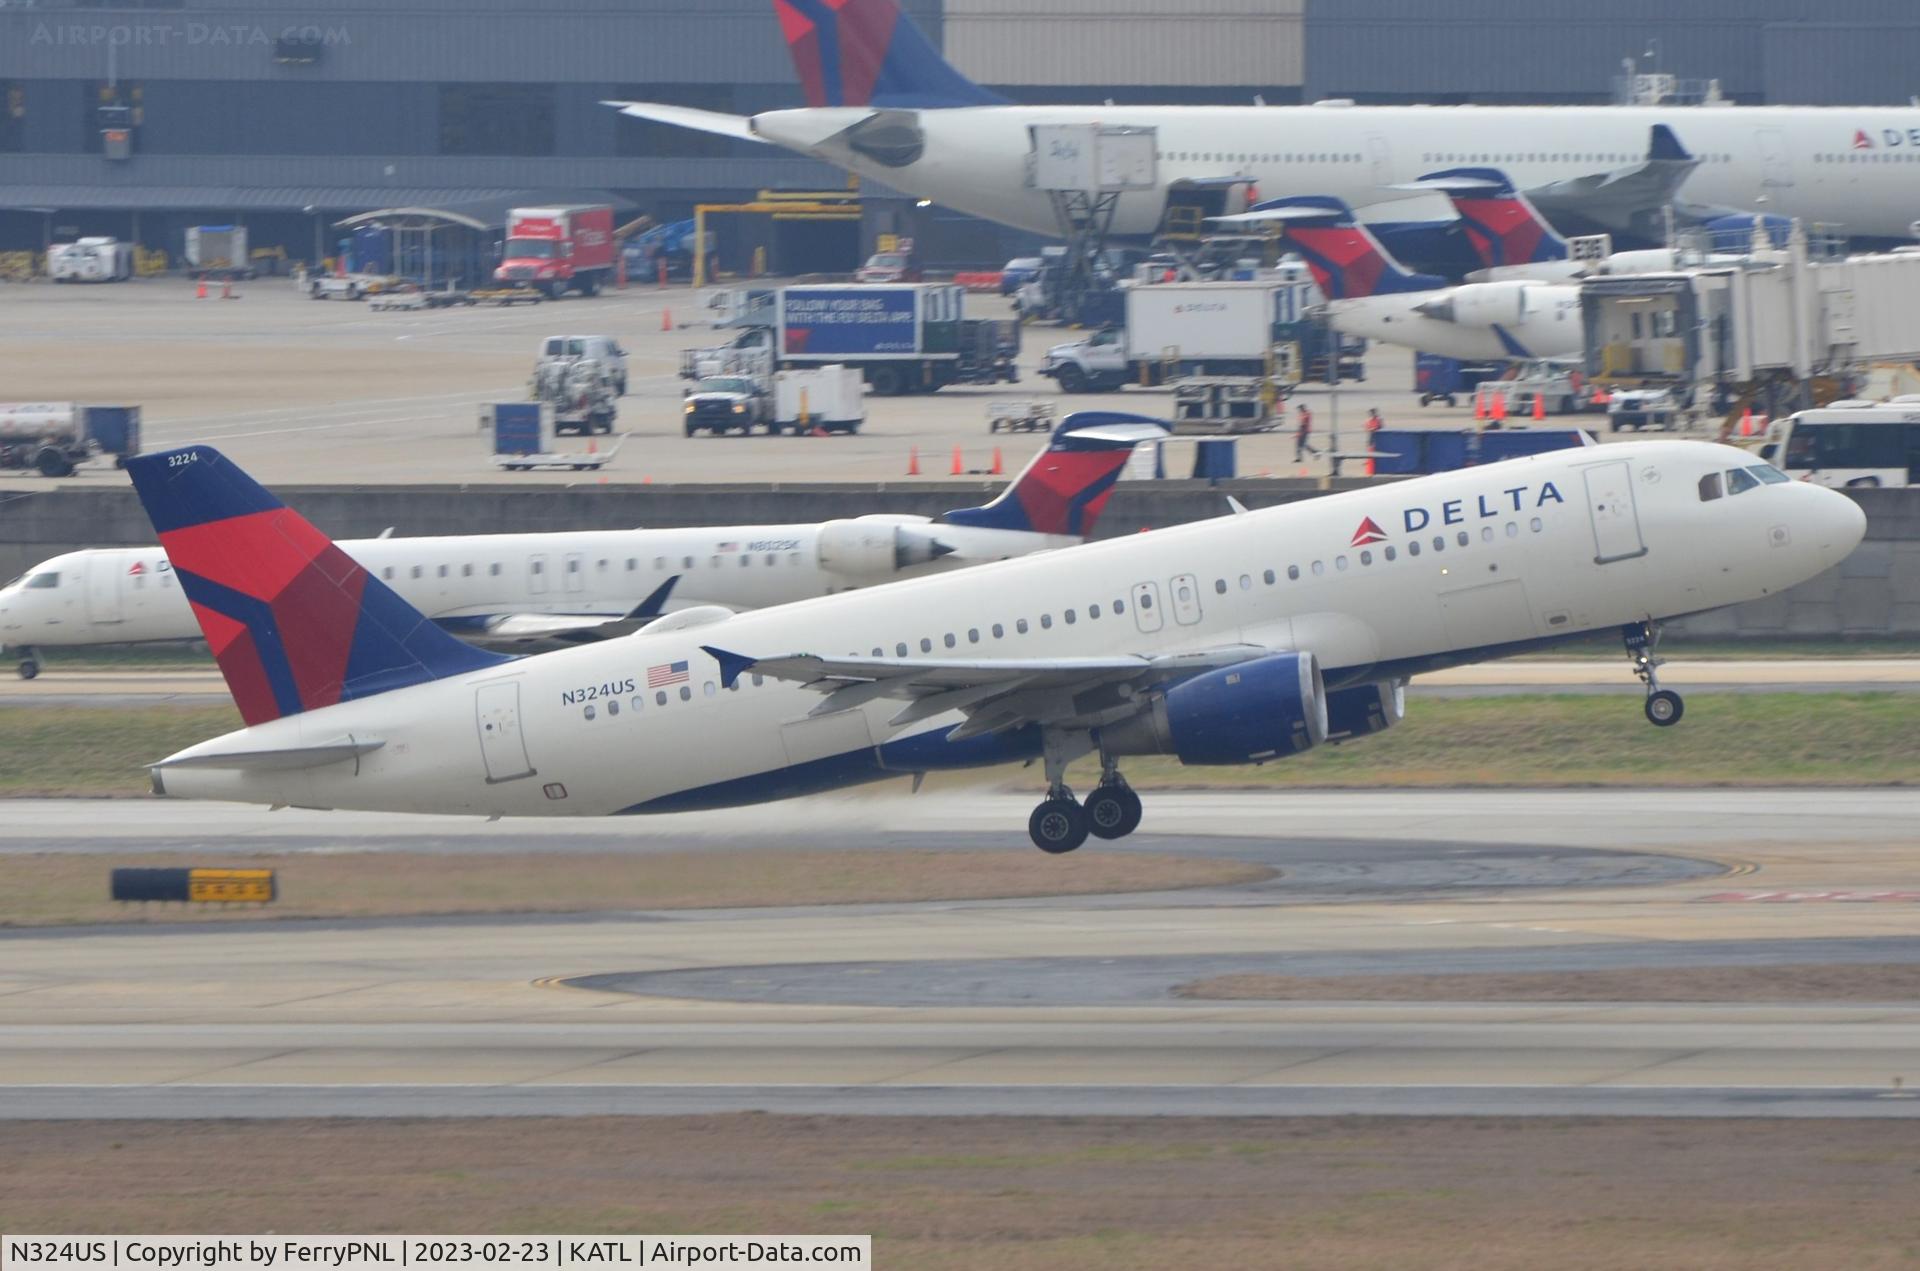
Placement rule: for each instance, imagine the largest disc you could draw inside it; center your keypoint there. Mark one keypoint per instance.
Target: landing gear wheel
(1058, 826)
(1665, 708)
(1113, 811)
(29, 668)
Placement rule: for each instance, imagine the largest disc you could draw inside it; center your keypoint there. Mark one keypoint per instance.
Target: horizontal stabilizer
(713, 121)
(279, 759)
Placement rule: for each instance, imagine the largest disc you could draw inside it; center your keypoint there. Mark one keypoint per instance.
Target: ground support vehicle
(821, 399)
(1029, 415)
(559, 249)
(725, 404)
(1178, 330)
(55, 438)
(90, 260)
(1448, 379)
(581, 393)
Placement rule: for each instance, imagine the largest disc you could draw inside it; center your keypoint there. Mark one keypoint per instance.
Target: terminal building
(141, 118)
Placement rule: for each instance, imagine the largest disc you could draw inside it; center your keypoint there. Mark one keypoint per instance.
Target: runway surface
(1057, 1006)
(197, 686)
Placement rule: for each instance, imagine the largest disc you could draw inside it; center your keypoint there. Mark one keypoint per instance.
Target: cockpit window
(1770, 474)
(1710, 487)
(43, 582)
(1739, 481)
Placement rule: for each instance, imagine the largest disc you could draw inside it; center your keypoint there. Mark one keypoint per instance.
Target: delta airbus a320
(1239, 640)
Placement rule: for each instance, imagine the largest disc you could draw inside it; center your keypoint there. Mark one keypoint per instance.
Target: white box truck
(1174, 330)
(90, 260)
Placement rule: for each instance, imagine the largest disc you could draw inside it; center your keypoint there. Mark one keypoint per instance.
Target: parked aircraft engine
(875, 549)
(1265, 709)
(1480, 304)
(1366, 708)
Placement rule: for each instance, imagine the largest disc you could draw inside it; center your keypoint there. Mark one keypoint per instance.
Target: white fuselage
(474, 583)
(1491, 321)
(1532, 549)
(1805, 162)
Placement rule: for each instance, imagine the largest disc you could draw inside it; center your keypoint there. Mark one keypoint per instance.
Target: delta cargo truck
(907, 338)
(559, 249)
(1176, 330)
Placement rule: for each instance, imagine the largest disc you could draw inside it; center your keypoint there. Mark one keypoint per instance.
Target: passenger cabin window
(1710, 487)
(1739, 481)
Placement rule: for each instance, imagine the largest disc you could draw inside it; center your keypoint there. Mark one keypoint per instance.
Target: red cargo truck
(556, 249)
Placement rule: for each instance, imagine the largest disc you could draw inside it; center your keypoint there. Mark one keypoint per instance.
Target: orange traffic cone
(666, 319)
(593, 447)
(1499, 406)
(1479, 404)
(913, 462)
(998, 468)
(226, 289)
(1539, 405)
(200, 292)
(958, 470)
(1746, 422)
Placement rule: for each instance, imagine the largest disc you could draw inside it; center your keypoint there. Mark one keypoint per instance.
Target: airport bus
(1850, 444)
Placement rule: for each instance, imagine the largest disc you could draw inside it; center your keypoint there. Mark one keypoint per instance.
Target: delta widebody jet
(574, 587)
(1239, 640)
(882, 103)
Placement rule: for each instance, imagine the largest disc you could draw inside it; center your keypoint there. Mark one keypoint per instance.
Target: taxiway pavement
(1045, 1005)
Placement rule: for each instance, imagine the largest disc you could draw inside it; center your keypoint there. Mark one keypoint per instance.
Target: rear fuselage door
(1616, 519)
(502, 745)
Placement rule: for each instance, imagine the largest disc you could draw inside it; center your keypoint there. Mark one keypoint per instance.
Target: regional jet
(575, 587)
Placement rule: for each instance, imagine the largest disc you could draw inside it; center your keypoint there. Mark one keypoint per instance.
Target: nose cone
(1837, 524)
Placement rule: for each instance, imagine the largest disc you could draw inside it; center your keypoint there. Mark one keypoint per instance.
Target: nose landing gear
(1664, 706)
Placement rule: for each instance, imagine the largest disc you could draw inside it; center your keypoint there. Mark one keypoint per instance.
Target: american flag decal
(666, 673)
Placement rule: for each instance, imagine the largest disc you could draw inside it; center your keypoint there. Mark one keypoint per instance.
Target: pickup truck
(722, 404)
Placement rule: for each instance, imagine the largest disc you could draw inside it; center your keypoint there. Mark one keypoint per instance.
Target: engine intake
(1265, 709)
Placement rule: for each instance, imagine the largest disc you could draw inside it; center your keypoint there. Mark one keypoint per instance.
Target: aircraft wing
(994, 693)
(735, 126)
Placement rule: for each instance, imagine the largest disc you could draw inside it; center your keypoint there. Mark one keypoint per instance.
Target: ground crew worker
(1300, 447)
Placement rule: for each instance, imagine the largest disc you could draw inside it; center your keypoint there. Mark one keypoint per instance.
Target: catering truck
(906, 338)
(558, 249)
(1175, 330)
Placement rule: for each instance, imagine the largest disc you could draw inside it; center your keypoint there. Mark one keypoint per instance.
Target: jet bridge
(1776, 318)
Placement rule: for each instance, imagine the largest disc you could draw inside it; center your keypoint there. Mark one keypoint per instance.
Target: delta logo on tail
(1369, 532)
(869, 53)
(1346, 260)
(1066, 487)
(293, 622)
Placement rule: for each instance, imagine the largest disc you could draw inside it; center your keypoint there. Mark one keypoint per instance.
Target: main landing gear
(29, 663)
(1061, 823)
(1664, 707)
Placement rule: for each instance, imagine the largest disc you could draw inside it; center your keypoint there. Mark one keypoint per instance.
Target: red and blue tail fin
(869, 53)
(1503, 225)
(1346, 259)
(294, 622)
(1066, 487)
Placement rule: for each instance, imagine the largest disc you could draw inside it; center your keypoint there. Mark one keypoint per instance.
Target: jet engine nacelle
(1485, 304)
(1265, 709)
(875, 548)
(1365, 708)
